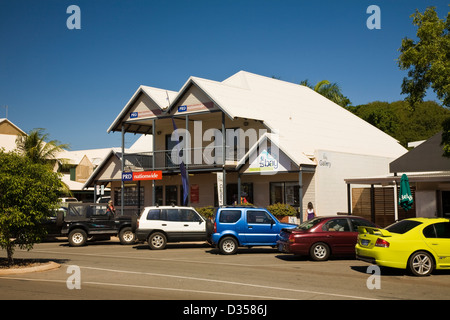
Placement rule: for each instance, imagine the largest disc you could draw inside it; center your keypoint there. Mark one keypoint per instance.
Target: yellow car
(418, 244)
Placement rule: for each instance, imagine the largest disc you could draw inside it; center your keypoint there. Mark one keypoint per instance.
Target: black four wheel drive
(83, 221)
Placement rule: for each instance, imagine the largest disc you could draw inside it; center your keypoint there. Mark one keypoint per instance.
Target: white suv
(160, 225)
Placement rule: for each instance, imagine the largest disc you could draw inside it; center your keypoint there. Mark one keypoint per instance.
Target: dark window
(189, 215)
(258, 216)
(403, 226)
(153, 214)
(437, 230)
(173, 215)
(230, 216)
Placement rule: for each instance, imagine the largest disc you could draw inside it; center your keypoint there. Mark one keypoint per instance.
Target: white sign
(269, 162)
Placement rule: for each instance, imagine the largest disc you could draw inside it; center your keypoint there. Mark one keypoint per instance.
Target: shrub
(207, 212)
(281, 209)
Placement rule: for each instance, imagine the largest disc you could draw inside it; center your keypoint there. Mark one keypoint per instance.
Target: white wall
(333, 167)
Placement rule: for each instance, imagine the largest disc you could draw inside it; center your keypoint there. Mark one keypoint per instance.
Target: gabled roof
(15, 129)
(426, 157)
(159, 97)
(304, 120)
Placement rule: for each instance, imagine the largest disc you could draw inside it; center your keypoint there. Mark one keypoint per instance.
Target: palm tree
(331, 91)
(36, 147)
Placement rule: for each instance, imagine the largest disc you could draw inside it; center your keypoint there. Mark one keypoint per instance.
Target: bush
(281, 209)
(207, 212)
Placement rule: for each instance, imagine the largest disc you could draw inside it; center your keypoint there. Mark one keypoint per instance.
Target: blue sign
(127, 176)
(133, 115)
(182, 108)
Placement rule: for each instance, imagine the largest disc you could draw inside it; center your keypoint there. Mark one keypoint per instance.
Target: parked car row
(419, 244)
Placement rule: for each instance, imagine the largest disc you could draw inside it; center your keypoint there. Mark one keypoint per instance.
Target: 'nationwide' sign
(143, 175)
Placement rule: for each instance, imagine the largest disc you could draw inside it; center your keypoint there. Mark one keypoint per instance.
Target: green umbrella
(405, 199)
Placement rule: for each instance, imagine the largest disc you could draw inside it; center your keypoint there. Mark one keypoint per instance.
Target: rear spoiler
(376, 231)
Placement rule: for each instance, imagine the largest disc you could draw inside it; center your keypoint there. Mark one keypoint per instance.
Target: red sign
(147, 175)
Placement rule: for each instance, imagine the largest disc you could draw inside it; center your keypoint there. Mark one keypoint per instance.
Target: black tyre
(421, 264)
(157, 241)
(134, 222)
(228, 245)
(77, 238)
(126, 236)
(319, 251)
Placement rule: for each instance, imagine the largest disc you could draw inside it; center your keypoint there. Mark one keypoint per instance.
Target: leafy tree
(28, 191)
(37, 148)
(331, 91)
(403, 123)
(428, 59)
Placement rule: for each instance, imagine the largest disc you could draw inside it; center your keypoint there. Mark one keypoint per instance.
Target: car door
(194, 226)
(339, 236)
(172, 224)
(261, 228)
(99, 219)
(437, 237)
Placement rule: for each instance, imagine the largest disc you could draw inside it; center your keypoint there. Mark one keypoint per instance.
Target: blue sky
(74, 83)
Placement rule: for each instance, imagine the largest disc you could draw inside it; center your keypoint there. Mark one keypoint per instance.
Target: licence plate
(280, 247)
(365, 242)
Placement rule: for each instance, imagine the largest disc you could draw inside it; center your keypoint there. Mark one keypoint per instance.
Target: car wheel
(319, 251)
(77, 238)
(228, 245)
(157, 241)
(126, 236)
(421, 264)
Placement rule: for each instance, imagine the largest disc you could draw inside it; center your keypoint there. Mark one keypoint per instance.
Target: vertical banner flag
(184, 176)
(220, 188)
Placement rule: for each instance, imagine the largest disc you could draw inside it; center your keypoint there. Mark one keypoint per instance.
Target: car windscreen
(309, 224)
(403, 226)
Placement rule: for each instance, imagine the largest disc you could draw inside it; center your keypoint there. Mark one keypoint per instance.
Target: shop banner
(143, 175)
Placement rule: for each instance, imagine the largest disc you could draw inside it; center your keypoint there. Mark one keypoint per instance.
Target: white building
(319, 144)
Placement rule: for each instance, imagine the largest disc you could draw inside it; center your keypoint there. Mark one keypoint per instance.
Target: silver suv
(160, 225)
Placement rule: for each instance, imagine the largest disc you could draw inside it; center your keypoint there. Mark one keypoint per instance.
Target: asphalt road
(194, 271)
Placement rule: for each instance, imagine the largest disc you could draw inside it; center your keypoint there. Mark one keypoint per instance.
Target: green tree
(403, 123)
(428, 62)
(28, 191)
(331, 91)
(428, 59)
(37, 148)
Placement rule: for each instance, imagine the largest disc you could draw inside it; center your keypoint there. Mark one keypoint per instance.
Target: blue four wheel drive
(245, 226)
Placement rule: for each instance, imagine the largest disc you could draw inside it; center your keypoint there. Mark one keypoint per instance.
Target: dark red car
(323, 236)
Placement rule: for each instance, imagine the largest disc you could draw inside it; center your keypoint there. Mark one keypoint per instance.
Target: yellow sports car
(418, 244)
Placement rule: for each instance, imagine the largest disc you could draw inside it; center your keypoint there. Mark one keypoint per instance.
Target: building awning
(443, 176)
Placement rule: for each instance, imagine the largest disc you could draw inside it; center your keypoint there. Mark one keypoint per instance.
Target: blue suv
(245, 226)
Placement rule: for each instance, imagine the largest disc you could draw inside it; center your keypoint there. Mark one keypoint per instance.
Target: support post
(223, 160)
(349, 199)
(372, 203)
(122, 192)
(300, 194)
(153, 163)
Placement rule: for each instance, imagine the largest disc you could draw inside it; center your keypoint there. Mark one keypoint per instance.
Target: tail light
(291, 238)
(215, 227)
(382, 243)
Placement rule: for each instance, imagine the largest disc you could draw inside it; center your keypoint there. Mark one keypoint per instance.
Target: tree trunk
(10, 252)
